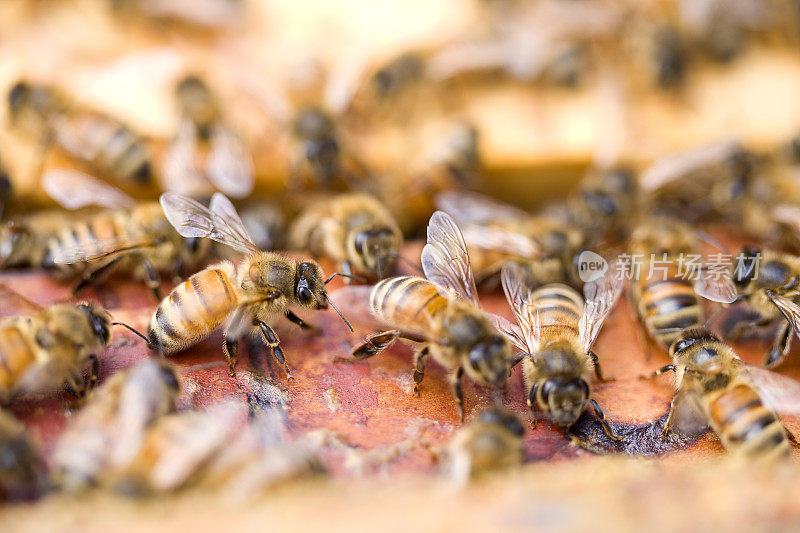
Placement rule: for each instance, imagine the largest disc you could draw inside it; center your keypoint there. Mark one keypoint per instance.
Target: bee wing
(13, 303)
(445, 260)
(673, 168)
(74, 190)
(601, 295)
(501, 240)
(180, 173)
(780, 392)
(716, 284)
(219, 222)
(343, 83)
(510, 330)
(789, 309)
(520, 298)
(688, 418)
(230, 167)
(97, 249)
(472, 208)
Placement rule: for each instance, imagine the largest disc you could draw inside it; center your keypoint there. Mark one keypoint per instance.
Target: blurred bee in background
(23, 239)
(228, 165)
(247, 297)
(266, 223)
(490, 443)
(441, 312)
(128, 236)
(111, 428)
(50, 348)
(714, 387)
(556, 329)
(198, 14)
(23, 475)
(6, 190)
(176, 448)
(496, 233)
(105, 144)
(355, 230)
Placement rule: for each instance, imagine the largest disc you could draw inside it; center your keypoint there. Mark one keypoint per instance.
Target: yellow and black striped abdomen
(192, 311)
(17, 355)
(557, 304)
(745, 425)
(91, 236)
(667, 306)
(407, 302)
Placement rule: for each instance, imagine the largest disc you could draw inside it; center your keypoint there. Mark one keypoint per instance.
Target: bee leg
(783, 341)
(271, 338)
(792, 439)
(532, 403)
(597, 371)
(151, 278)
(347, 270)
(177, 270)
(419, 368)
(663, 370)
(95, 275)
(459, 391)
(300, 322)
(743, 326)
(375, 343)
(668, 422)
(231, 349)
(94, 371)
(602, 417)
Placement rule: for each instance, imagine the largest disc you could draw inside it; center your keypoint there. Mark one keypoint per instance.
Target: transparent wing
(520, 298)
(13, 303)
(673, 168)
(501, 240)
(219, 222)
(715, 287)
(601, 295)
(780, 392)
(472, 208)
(688, 418)
(230, 167)
(789, 309)
(445, 260)
(510, 330)
(180, 173)
(93, 250)
(74, 190)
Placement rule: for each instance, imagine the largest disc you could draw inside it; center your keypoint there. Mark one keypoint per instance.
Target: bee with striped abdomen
(496, 234)
(442, 312)
(556, 329)
(110, 429)
(105, 144)
(714, 387)
(355, 230)
(204, 136)
(247, 297)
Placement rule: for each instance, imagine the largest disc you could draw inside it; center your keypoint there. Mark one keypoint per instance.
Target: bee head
(504, 419)
(377, 247)
(99, 321)
(565, 398)
(18, 97)
(746, 267)
(489, 360)
(309, 286)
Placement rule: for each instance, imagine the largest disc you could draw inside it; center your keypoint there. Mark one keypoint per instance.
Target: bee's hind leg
(271, 338)
(419, 368)
(95, 275)
(609, 431)
(597, 371)
(151, 279)
(459, 390)
(781, 346)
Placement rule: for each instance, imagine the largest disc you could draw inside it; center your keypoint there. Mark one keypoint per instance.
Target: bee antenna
(338, 312)
(131, 329)
(348, 276)
(713, 317)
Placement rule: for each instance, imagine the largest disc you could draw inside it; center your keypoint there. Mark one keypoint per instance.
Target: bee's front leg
(272, 340)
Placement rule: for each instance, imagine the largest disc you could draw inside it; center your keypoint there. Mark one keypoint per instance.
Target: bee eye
(304, 295)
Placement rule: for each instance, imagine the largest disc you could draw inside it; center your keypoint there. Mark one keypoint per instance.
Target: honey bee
(491, 443)
(22, 471)
(247, 297)
(23, 239)
(176, 448)
(127, 237)
(768, 283)
(497, 234)
(110, 429)
(666, 297)
(556, 329)
(103, 143)
(6, 190)
(50, 348)
(604, 202)
(714, 387)
(442, 312)
(228, 165)
(355, 230)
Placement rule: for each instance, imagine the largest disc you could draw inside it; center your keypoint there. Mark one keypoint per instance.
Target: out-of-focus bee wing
(510, 330)
(180, 173)
(520, 298)
(98, 249)
(74, 190)
(715, 288)
(445, 260)
(343, 83)
(13, 303)
(220, 222)
(688, 419)
(601, 295)
(675, 167)
(501, 240)
(789, 309)
(780, 392)
(472, 208)
(230, 167)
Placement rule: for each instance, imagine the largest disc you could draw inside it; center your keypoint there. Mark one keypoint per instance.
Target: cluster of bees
(128, 435)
